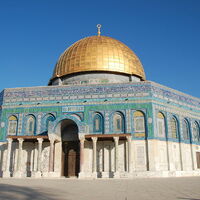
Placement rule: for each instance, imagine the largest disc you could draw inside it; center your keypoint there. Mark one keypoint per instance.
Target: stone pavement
(102, 189)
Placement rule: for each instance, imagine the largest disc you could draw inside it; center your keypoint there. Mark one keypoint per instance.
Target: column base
(107, 174)
(116, 175)
(51, 174)
(36, 174)
(94, 174)
(18, 174)
(81, 175)
(6, 174)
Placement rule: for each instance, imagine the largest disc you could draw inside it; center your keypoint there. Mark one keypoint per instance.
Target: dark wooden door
(198, 159)
(71, 159)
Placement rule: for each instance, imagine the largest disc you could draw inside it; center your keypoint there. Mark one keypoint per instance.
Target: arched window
(139, 123)
(195, 131)
(12, 125)
(50, 118)
(161, 124)
(174, 127)
(186, 133)
(30, 129)
(118, 123)
(98, 123)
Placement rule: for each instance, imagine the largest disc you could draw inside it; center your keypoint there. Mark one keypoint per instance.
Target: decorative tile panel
(139, 89)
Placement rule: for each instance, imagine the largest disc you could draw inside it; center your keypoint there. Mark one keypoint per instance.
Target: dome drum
(94, 78)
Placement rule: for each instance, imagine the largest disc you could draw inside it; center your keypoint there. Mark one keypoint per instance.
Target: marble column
(130, 167)
(116, 173)
(6, 173)
(51, 156)
(19, 172)
(19, 159)
(94, 166)
(40, 140)
(82, 141)
(38, 174)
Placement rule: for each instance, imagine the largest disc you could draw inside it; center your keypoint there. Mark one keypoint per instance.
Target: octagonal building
(99, 118)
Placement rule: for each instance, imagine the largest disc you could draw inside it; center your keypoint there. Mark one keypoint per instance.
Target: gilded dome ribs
(98, 53)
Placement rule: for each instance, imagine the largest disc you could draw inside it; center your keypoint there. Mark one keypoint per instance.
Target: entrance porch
(91, 156)
(105, 156)
(30, 156)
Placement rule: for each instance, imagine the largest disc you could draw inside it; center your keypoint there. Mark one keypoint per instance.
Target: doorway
(70, 149)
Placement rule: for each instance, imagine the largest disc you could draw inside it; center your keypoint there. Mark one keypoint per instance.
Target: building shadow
(189, 198)
(10, 192)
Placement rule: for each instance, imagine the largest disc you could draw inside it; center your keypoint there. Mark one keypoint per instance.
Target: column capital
(116, 138)
(20, 140)
(94, 139)
(9, 140)
(82, 138)
(52, 141)
(40, 140)
(128, 138)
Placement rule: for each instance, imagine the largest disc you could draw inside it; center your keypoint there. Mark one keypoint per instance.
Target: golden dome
(98, 53)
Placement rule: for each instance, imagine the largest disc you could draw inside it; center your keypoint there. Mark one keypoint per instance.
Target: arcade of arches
(95, 155)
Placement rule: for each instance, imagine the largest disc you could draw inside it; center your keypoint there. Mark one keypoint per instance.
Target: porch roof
(108, 136)
(29, 138)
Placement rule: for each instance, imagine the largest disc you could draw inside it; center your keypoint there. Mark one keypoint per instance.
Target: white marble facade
(152, 158)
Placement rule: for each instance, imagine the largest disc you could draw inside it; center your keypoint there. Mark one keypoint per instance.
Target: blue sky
(165, 34)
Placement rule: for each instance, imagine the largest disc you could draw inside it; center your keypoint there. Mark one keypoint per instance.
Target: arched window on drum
(174, 127)
(12, 125)
(195, 131)
(186, 130)
(118, 122)
(98, 123)
(139, 122)
(161, 124)
(30, 128)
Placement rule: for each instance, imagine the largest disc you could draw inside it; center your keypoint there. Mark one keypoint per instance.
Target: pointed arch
(82, 127)
(118, 122)
(174, 127)
(161, 125)
(195, 131)
(186, 129)
(98, 123)
(139, 121)
(31, 125)
(49, 118)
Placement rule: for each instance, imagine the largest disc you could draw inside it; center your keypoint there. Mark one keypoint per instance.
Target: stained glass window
(12, 125)
(118, 122)
(139, 124)
(195, 131)
(30, 125)
(185, 130)
(161, 124)
(98, 123)
(174, 130)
